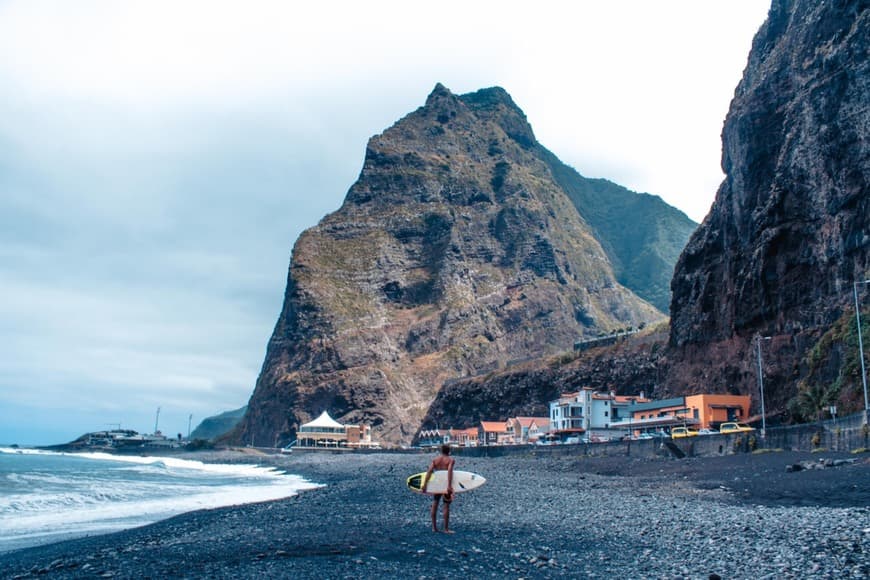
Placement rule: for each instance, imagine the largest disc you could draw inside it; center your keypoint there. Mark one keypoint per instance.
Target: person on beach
(442, 463)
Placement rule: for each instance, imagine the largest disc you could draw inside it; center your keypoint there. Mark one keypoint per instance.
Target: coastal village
(589, 416)
(585, 416)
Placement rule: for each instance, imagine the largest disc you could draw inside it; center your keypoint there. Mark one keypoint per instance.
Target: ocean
(47, 497)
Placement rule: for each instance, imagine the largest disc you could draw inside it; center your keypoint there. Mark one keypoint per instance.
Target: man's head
(445, 449)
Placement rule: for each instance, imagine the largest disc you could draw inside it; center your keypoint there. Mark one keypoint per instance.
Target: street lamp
(761, 385)
(861, 345)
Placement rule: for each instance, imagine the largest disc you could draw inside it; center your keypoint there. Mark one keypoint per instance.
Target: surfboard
(462, 481)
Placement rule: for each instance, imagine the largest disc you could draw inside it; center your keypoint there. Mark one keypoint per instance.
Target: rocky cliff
(456, 251)
(788, 232)
(777, 256)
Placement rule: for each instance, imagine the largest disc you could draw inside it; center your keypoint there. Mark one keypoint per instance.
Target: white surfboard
(462, 481)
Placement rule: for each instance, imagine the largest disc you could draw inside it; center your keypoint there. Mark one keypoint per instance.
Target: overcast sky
(158, 160)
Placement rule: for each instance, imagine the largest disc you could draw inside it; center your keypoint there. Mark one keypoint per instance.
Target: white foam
(156, 488)
(168, 462)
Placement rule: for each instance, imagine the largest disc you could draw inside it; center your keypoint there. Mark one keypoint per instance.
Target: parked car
(734, 428)
(680, 432)
(707, 432)
(643, 436)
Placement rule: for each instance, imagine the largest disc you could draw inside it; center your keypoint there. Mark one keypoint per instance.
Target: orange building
(492, 433)
(699, 411)
(713, 410)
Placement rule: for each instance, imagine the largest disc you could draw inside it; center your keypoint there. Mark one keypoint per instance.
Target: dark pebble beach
(538, 516)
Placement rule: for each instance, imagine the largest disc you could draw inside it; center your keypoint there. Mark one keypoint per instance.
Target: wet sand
(738, 516)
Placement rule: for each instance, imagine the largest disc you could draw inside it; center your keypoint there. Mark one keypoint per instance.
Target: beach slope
(738, 516)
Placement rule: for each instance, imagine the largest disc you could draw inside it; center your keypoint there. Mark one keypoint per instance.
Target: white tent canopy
(324, 421)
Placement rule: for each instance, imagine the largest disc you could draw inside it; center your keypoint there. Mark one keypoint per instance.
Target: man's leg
(435, 500)
(447, 517)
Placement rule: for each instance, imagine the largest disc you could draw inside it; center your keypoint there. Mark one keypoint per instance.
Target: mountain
(789, 231)
(456, 251)
(641, 234)
(218, 425)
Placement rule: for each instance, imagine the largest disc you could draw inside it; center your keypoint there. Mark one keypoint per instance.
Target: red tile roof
(527, 421)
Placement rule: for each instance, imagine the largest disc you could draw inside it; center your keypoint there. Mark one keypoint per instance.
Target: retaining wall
(845, 435)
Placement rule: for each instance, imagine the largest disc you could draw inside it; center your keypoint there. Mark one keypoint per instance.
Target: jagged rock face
(788, 232)
(454, 252)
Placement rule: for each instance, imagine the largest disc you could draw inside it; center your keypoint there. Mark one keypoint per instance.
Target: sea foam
(46, 496)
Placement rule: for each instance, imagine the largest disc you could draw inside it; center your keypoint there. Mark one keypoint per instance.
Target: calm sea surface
(46, 497)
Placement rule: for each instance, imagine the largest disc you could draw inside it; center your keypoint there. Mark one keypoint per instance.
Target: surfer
(442, 462)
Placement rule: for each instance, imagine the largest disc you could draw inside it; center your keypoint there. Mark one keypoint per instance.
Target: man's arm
(450, 476)
(427, 476)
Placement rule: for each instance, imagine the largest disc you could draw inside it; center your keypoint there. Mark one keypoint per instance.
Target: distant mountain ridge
(218, 425)
(457, 250)
(642, 235)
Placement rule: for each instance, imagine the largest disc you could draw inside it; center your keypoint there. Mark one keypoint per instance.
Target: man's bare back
(442, 463)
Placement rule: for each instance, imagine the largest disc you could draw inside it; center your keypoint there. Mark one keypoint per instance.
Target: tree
(812, 400)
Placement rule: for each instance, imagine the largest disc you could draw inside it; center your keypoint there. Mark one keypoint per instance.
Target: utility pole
(189, 419)
(157, 421)
(761, 386)
(861, 350)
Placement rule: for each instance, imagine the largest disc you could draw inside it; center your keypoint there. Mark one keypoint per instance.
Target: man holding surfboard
(441, 463)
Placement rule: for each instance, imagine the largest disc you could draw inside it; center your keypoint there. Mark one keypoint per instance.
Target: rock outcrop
(789, 231)
(456, 251)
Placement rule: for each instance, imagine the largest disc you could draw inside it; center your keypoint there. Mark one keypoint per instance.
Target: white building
(588, 411)
(327, 432)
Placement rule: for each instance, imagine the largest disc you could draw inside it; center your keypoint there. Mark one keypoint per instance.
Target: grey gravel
(568, 517)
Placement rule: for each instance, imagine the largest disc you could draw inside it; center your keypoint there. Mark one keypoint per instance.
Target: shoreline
(736, 516)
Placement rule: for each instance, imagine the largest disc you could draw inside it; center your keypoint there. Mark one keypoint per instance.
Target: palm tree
(813, 399)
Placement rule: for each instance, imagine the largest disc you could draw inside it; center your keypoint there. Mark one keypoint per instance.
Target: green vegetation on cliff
(641, 234)
(833, 371)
